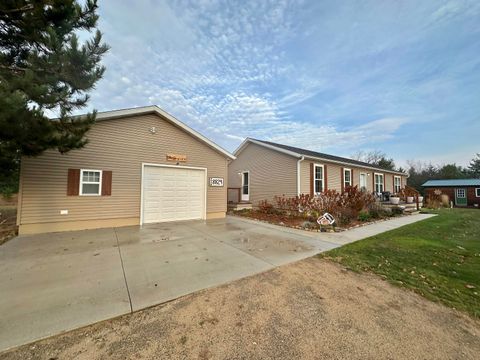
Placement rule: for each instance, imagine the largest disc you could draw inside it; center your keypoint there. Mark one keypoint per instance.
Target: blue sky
(333, 76)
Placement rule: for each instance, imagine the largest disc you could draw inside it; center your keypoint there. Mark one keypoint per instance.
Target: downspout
(298, 174)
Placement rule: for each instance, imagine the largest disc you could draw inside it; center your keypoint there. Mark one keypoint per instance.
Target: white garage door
(171, 194)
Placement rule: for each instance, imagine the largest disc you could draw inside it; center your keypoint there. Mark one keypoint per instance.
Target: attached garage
(173, 193)
(139, 166)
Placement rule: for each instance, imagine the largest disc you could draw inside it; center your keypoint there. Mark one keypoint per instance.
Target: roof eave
(268, 146)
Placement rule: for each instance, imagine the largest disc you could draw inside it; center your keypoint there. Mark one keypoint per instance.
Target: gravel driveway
(310, 309)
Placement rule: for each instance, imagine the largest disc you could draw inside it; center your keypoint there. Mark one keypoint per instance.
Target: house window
(363, 181)
(477, 192)
(347, 177)
(379, 183)
(90, 182)
(318, 179)
(397, 184)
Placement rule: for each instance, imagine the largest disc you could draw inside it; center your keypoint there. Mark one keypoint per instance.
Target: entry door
(245, 186)
(171, 194)
(460, 197)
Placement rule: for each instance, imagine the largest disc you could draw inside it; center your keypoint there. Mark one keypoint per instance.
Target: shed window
(90, 182)
(477, 192)
(347, 177)
(318, 179)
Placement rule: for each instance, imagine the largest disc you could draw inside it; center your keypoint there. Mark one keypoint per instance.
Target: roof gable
(118, 114)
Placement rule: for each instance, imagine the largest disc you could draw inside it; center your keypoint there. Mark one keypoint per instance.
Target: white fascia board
(116, 114)
(355, 165)
(268, 146)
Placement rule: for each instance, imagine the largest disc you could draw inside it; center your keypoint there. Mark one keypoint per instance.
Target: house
(140, 166)
(263, 170)
(463, 192)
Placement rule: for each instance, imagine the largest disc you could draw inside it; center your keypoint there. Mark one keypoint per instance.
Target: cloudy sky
(334, 76)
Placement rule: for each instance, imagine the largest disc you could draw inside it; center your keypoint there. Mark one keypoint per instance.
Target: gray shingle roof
(323, 155)
(452, 182)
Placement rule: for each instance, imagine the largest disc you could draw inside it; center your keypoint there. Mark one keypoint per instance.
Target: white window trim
(477, 192)
(359, 180)
(90, 182)
(395, 177)
(243, 179)
(463, 191)
(375, 182)
(315, 178)
(344, 181)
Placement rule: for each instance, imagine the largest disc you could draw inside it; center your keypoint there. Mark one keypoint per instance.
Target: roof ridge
(303, 151)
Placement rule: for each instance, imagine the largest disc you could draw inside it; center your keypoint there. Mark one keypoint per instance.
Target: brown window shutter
(73, 182)
(106, 183)
(342, 179)
(384, 183)
(393, 183)
(352, 182)
(325, 177)
(373, 182)
(311, 179)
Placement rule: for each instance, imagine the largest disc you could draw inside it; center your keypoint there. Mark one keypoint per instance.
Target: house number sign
(216, 181)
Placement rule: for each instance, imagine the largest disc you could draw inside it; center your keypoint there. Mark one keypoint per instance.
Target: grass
(438, 258)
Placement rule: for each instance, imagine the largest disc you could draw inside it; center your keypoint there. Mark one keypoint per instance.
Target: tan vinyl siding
(271, 173)
(119, 145)
(334, 176)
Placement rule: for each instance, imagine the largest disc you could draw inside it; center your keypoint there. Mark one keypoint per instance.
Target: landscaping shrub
(397, 210)
(375, 210)
(345, 215)
(265, 207)
(364, 216)
(344, 207)
(437, 200)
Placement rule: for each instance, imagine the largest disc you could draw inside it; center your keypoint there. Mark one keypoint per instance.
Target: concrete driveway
(55, 282)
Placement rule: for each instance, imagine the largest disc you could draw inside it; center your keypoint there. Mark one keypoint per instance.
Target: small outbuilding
(463, 192)
(139, 166)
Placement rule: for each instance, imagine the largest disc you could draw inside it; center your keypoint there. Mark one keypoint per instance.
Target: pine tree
(45, 68)
(474, 167)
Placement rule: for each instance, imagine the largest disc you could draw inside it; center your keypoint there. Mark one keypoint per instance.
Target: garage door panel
(171, 194)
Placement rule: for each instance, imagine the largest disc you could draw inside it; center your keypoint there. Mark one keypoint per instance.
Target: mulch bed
(299, 222)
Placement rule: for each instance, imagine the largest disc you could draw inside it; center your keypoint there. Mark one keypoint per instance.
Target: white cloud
(322, 75)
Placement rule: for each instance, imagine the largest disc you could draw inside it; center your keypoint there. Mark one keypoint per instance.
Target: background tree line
(419, 172)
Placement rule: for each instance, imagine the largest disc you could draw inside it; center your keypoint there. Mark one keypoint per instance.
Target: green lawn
(438, 258)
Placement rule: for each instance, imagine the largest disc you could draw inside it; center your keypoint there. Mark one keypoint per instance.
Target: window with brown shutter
(73, 182)
(89, 182)
(107, 183)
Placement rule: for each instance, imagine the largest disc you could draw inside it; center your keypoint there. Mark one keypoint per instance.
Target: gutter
(298, 174)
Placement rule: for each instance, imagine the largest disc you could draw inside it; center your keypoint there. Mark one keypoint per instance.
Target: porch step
(240, 206)
(403, 204)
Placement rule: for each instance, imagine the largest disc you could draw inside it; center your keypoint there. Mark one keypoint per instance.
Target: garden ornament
(326, 219)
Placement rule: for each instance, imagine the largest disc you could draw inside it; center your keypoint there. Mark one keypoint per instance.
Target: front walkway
(325, 241)
(56, 282)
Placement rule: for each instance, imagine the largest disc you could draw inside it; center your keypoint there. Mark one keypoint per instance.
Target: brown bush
(344, 207)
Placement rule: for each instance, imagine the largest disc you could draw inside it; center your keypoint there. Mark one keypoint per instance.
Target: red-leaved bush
(343, 206)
